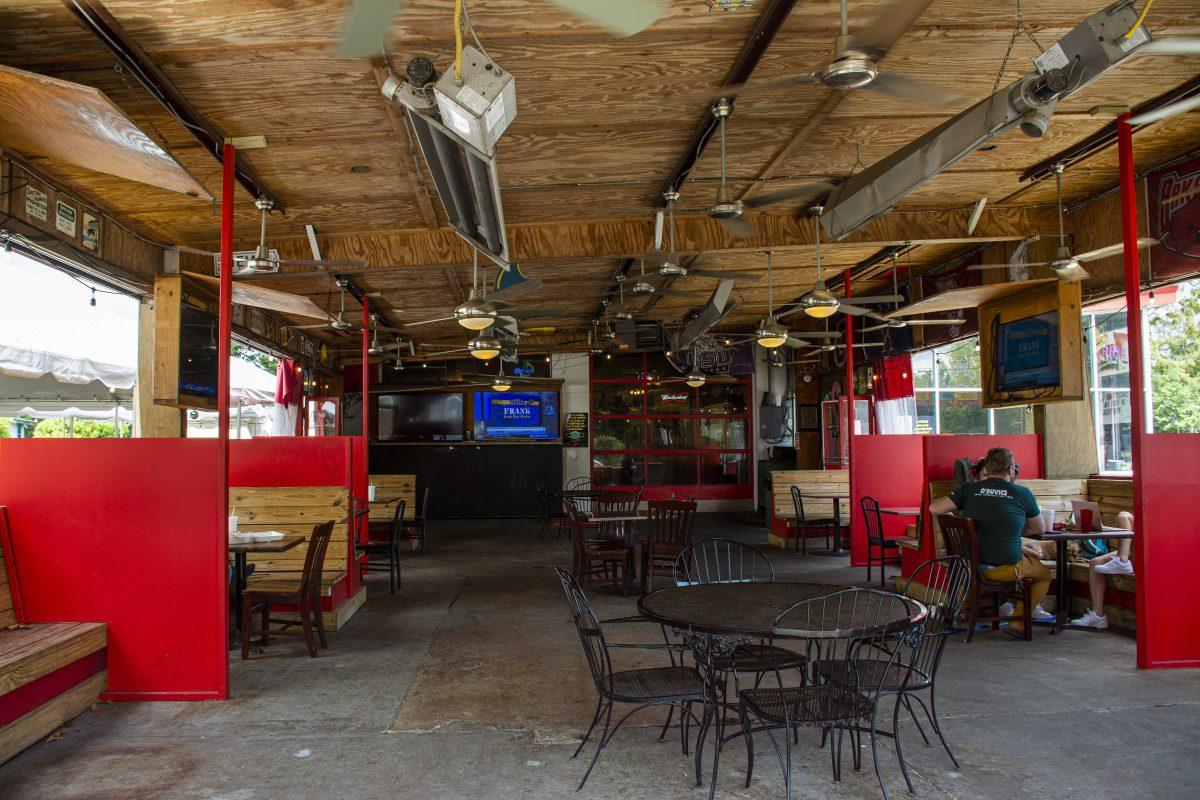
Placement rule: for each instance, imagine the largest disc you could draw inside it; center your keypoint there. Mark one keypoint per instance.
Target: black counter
(469, 479)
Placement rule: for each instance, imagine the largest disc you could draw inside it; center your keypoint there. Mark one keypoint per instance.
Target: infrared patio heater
(457, 123)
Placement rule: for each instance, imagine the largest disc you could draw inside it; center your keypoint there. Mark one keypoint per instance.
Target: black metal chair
(849, 630)
(553, 515)
(384, 552)
(416, 528)
(579, 484)
(676, 686)
(942, 585)
(720, 560)
(875, 537)
(823, 526)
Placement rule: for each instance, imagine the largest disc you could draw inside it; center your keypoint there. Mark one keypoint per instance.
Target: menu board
(575, 429)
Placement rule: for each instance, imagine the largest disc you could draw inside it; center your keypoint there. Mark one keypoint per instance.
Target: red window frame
(696, 489)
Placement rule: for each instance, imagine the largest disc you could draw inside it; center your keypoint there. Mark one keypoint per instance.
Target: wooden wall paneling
(150, 418)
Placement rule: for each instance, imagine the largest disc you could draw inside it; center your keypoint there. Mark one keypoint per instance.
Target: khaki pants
(1029, 567)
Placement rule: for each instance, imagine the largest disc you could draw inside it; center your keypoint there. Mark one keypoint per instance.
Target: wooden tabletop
(1075, 536)
(901, 511)
(615, 517)
(277, 546)
(829, 496)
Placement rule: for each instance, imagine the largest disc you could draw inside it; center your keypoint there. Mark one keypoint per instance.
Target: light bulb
(694, 380)
(820, 312)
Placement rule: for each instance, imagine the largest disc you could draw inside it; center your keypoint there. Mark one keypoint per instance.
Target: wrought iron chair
(720, 560)
(385, 552)
(580, 484)
(553, 516)
(958, 534)
(875, 537)
(676, 686)
(416, 528)
(823, 526)
(668, 533)
(941, 584)
(598, 560)
(849, 630)
(303, 592)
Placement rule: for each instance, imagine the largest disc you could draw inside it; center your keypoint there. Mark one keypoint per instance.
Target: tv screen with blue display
(1027, 353)
(516, 415)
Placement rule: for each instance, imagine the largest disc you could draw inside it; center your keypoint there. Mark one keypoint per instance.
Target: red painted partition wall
(1168, 538)
(128, 532)
(888, 468)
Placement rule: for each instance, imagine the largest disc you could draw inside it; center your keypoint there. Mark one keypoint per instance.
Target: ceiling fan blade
(438, 387)
(738, 227)
(803, 190)
(913, 90)
(721, 274)
(309, 327)
(1114, 250)
(308, 262)
(959, 321)
(875, 38)
(878, 298)
(366, 28)
(1169, 110)
(427, 322)
(261, 297)
(1170, 46)
(732, 90)
(526, 313)
(1071, 273)
(855, 311)
(622, 17)
(981, 267)
(874, 328)
(445, 352)
(814, 335)
(509, 293)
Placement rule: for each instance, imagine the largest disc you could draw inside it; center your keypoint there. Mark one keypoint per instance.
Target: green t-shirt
(999, 509)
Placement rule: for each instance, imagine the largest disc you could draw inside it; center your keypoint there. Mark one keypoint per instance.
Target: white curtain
(896, 416)
(283, 421)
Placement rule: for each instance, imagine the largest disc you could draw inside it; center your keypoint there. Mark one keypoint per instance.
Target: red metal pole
(1137, 378)
(224, 322)
(366, 405)
(849, 432)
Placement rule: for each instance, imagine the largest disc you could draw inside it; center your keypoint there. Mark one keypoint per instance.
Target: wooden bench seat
(809, 481)
(49, 672)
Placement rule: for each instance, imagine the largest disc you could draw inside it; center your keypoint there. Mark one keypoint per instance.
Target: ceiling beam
(96, 18)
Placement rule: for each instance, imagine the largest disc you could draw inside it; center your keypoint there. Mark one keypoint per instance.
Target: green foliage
(84, 429)
(5, 427)
(1175, 364)
(256, 357)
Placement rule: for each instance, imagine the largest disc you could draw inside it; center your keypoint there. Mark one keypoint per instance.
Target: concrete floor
(470, 683)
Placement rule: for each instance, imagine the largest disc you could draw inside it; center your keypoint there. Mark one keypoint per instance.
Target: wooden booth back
(294, 509)
(388, 490)
(810, 481)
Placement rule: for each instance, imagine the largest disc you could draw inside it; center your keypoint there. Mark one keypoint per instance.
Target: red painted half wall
(290, 461)
(888, 468)
(1165, 548)
(128, 532)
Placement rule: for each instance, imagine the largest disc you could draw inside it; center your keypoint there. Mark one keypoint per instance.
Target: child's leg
(1097, 582)
(1124, 547)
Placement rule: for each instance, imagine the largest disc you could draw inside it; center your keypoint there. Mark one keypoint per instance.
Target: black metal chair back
(424, 513)
(587, 625)
(575, 521)
(722, 561)
(942, 585)
(579, 484)
(670, 522)
(798, 506)
(873, 519)
(397, 525)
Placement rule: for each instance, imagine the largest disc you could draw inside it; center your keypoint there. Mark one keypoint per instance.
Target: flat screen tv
(516, 415)
(434, 417)
(197, 353)
(1026, 353)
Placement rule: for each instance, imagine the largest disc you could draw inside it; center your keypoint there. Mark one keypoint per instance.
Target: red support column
(849, 432)
(1137, 376)
(224, 345)
(366, 405)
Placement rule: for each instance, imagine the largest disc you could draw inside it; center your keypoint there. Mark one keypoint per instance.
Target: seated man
(1116, 563)
(1002, 512)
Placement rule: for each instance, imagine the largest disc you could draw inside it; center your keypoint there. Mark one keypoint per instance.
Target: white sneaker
(1091, 620)
(1007, 610)
(1115, 566)
(1040, 614)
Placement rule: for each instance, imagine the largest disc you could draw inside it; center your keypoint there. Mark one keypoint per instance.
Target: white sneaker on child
(1115, 566)
(1091, 620)
(1040, 614)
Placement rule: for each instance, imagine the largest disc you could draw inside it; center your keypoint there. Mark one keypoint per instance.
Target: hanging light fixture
(501, 384)
(475, 314)
(819, 302)
(484, 347)
(770, 333)
(694, 379)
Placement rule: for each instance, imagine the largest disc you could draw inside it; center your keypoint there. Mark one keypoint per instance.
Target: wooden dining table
(1062, 610)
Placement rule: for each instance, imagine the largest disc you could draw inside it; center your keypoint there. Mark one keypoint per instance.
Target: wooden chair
(598, 560)
(416, 528)
(875, 537)
(805, 527)
(668, 533)
(384, 552)
(617, 503)
(304, 593)
(958, 534)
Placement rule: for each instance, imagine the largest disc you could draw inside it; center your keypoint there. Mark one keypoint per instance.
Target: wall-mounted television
(1026, 353)
(417, 417)
(516, 415)
(197, 353)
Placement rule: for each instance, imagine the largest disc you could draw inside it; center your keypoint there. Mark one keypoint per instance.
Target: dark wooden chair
(415, 529)
(598, 560)
(668, 533)
(303, 592)
(618, 503)
(875, 538)
(384, 552)
(806, 526)
(958, 534)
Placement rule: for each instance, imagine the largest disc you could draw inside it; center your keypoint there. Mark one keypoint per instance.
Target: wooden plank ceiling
(600, 124)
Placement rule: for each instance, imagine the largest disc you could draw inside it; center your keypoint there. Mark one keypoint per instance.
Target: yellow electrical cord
(458, 39)
(1141, 18)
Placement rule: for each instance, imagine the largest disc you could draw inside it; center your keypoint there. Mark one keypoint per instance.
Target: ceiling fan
(266, 261)
(771, 334)
(900, 322)
(339, 322)
(369, 21)
(477, 312)
(1066, 266)
(856, 57)
(731, 213)
(669, 263)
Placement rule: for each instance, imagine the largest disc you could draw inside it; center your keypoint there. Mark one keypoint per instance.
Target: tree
(84, 429)
(256, 357)
(1175, 358)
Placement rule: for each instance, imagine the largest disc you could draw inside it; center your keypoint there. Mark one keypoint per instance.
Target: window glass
(618, 469)
(958, 365)
(667, 470)
(616, 398)
(723, 434)
(962, 412)
(617, 434)
(1110, 349)
(671, 434)
(1012, 420)
(1115, 432)
(723, 398)
(724, 468)
(625, 366)
(672, 399)
(925, 413)
(922, 364)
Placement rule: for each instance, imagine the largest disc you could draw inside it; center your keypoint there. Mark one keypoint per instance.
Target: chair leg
(599, 747)
(882, 570)
(875, 748)
(306, 624)
(266, 622)
(393, 568)
(917, 722)
(245, 627)
(320, 616)
(1027, 613)
(975, 601)
(931, 712)
(749, 739)
(899, 750)
(592, 727)
(869, 551)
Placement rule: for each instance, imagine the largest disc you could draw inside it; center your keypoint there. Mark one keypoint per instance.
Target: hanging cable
(458, 7)
(1141, 18)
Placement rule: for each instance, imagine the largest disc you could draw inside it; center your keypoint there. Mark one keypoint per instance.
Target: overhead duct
(1090, 50)
(712, 312)
(456, 127)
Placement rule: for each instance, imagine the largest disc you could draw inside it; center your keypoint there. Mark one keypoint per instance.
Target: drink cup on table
(1085, 520)
(233, 523)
